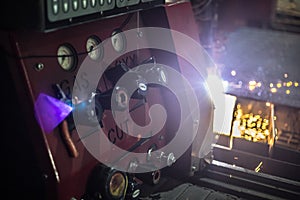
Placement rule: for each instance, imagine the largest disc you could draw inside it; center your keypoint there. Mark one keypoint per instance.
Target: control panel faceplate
(53, 59)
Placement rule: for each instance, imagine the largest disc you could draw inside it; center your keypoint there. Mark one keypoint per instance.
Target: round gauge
(118, 40)
(94, 47)
(66, 57)
(117, 185)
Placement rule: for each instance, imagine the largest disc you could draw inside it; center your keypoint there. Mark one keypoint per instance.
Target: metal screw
(140, 34)
(194, 168)
(45, 176)
(171, 159)
(161, 137)
(39, 66)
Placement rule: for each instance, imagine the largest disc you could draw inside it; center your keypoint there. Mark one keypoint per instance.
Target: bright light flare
(233, 73)
(223, 103)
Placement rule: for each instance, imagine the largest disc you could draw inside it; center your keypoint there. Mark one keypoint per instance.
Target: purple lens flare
(50, 112)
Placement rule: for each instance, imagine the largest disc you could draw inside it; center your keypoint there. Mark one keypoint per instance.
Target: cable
(199, 8)
(126, 21)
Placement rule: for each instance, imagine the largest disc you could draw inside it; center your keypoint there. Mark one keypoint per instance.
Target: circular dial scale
(66, 57)
(94, 47)
(118, 40)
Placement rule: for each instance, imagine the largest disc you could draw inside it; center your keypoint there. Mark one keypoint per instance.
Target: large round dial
(94, 47)
(118, 40)
(66, 57)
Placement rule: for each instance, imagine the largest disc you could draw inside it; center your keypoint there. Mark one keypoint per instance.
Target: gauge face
(94, 48)
(118, 40)
(117, 185)
(66, 57)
